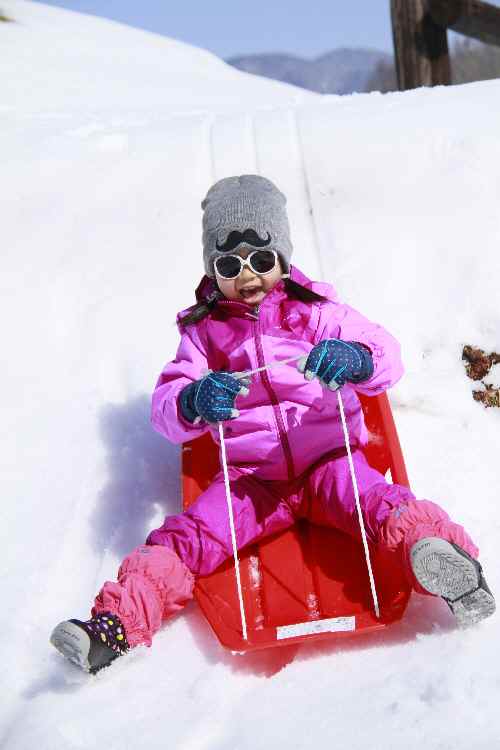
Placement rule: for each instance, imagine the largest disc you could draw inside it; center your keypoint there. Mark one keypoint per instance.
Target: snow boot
(91, 645)
(445, 569)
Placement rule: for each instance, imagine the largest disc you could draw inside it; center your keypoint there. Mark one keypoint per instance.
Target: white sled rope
(233, 533)
(358, 507)
(354, 484)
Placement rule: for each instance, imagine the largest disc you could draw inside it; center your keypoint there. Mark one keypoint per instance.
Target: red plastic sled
(309, 581)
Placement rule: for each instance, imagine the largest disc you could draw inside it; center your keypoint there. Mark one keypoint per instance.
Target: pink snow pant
(157, 579)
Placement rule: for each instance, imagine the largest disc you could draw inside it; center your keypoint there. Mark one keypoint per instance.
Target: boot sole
(73, 643)
(473, 608)
(444, 571)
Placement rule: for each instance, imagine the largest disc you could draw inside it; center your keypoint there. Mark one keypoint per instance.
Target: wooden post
(470, 17)
(420, 46)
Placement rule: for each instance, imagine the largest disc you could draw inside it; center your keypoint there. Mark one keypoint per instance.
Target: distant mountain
(345, 71)
(341, 71)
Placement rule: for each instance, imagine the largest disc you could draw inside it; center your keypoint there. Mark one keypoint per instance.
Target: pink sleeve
(189, 364)
(344, 322)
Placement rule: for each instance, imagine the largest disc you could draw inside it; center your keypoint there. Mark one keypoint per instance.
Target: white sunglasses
(260, 262)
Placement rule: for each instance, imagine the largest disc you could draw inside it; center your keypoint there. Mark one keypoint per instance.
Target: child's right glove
(334, 361)
(212, 397)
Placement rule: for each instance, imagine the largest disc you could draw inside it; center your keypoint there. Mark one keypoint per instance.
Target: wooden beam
(420, 46)
(470, 17)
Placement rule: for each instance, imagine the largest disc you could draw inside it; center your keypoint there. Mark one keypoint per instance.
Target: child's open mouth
(251, 293)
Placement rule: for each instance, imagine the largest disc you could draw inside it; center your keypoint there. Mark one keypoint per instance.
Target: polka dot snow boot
(445, 569)
(91, 645)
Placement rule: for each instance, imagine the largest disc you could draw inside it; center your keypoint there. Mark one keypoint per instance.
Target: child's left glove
(212, 397)
(334, 362)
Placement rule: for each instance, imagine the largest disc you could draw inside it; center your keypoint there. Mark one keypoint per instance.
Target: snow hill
(110, 137)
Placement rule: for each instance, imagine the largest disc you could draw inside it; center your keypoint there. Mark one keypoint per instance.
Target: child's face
(249, 287)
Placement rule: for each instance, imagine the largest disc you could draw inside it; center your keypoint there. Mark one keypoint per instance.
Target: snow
(110, 138)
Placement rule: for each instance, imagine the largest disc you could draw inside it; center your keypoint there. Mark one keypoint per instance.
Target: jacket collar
(207, 291)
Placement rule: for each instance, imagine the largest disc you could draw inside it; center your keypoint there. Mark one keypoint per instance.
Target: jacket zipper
(273, 398)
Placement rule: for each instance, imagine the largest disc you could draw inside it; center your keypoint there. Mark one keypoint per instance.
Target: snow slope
(110, 137)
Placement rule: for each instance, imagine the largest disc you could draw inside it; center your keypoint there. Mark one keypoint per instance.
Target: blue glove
(334, 362)
(212, 397)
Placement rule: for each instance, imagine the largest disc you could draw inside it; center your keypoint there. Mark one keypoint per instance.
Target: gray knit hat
(240, 204)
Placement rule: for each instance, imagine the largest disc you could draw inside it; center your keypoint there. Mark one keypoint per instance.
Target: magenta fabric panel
(153, 583)
(334, 503)
(189, 364)
(286, 423)
(201, 535)
(324, 495)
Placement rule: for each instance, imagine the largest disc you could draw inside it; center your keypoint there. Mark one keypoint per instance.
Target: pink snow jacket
(286, 423)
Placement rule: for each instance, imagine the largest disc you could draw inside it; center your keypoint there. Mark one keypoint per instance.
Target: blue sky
(231, 27)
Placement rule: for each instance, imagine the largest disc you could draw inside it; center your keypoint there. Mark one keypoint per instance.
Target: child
(283, 435)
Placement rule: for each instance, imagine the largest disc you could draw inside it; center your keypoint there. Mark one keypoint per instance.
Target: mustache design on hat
(249, 237)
